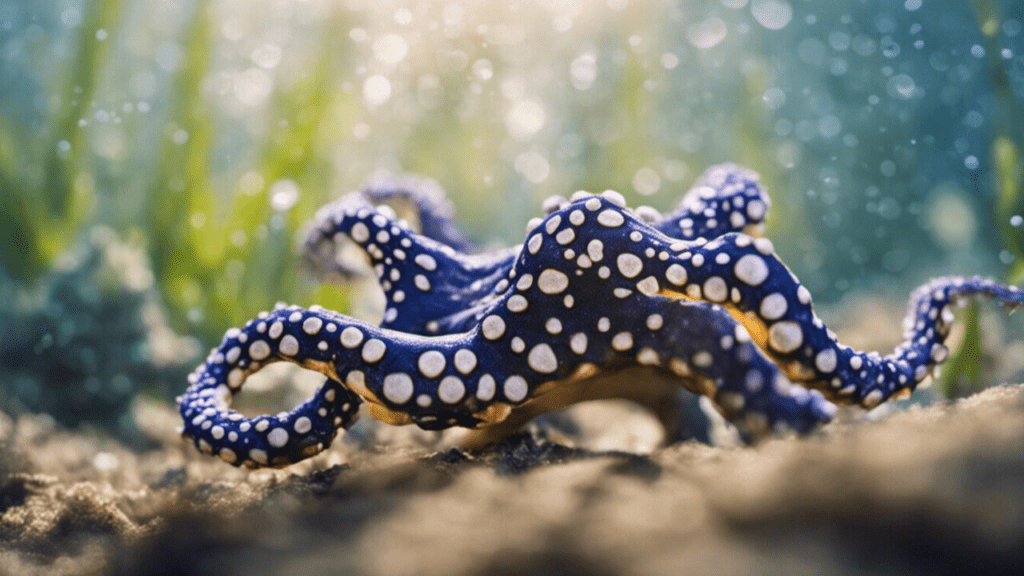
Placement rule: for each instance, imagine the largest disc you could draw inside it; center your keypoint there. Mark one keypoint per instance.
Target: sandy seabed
(920, 491)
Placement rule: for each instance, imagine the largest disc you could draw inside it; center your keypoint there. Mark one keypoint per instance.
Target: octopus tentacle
(429, 203)
(725, 199)
(746, 278)
(287, 334)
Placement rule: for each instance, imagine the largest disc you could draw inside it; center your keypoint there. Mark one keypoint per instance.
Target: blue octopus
(488, 340)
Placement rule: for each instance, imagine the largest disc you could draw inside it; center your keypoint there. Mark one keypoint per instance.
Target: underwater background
(158, 159)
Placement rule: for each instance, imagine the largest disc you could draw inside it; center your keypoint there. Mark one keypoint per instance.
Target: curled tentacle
(725, 199)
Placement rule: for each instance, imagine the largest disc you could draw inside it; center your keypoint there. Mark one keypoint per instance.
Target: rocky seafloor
(922, 490)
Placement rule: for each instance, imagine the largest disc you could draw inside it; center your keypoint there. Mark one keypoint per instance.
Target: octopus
(597, 291)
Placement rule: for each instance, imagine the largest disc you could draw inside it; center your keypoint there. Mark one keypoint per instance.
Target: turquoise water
(157, 159)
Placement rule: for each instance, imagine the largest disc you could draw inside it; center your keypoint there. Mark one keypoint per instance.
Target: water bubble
(1006, 257)
(583, 71)
(266, 56)
(390, 48)
(863, 45)
(901, 86)
(376, 90)
(646, 181)
(252, 87)
(483, 69)
(974, 119)
(734, 3)
(403, 16)
(978, 51)
(829, 126)
(251, 183)
(1016, 220)
(890, 49)
(669, 60)
(772, 14)
(1006, 53)
(533, 167)
(283, 194)
(774, 98)
(524, 119)
(887, 168)
(912, 5)
(839, 41)
(707, 33)
(179, 137)
(971, 162)
(101, 34)
(71, 17)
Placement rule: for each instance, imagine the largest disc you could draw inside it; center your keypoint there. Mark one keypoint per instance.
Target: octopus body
(489, 340)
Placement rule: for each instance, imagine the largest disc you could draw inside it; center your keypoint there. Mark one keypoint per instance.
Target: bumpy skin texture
(478, 340)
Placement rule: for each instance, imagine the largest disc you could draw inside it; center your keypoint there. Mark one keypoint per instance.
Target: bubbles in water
(390, 48)
(583, 71)
(533, 167)
(669, 60)
(251, 183)
(971, 162)
(1016, 220)
(101, 34)
(266, 56)
(71, 17)
(707, 33)
(734, 3)
(774, 98)
(524, 119)
(483, 69)
(646, 181)
(180, 136)
(376, 90)
(912, 5)
(252, 87)
(283, 194)
(901, 86)
(772, 14)
(887, 168)
(829, 126)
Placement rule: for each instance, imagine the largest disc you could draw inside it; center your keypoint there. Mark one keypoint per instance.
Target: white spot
(715, 289)
(751, 269)
(568, 301)
(485, 388)
(655, 322)
(648, 357)
(703, 359)
(525, 281)
(826, 360)
(258, 456)
(232, 356)
(774, 306)
(756, 210)
(398, 387)
(373, 350)
(577, 217)
(289, 346)
(648, 286)
(553, 224)
(722, 258)
(610, 219)
(629, 265)
(303, 425)
(803, 295)
(614, 197)
(566, 236)
(542, 359)
(676, 274)
(275, 330)
(360, 233)
(604, 324)
(578, 343)
(604, 272)
(785, 336)
(697, 260)
(259, 350)
(421, 282)
(622, 341)
(217, 432)
(764, 246)
(465, 361)
(493, 327)
(552, 281)
(595, 249)
(553, 326)
(426, 261)
(622, 292)
(518, 345)
(534, 244)
(312, 325)
(228, 455)
(515, 388)
(262, 425)
(398, 297)
(517, 303)
(872, 399)
(451, 390)
(277, 437)
(424, 401)
(351, 337)
(593, 204)
(432, 363)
